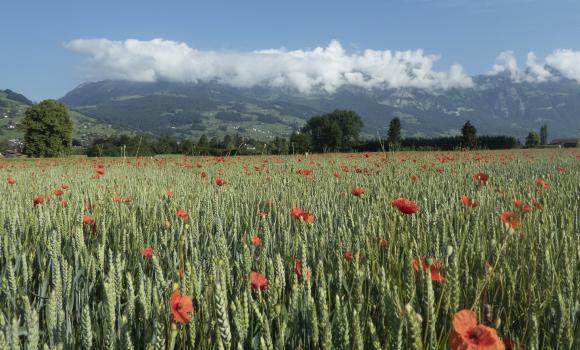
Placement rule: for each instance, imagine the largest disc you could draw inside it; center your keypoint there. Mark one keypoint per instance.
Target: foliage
(544, 135)
(448, 143)
(469, 133)
(300, 142)
(533, 139)
(147, 145)
(335, 131)
(394, 135)
(80, 276)
(48, 130)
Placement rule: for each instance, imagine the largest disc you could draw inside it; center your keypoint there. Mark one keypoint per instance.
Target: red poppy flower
(148, 252)
(433, 267)
(510, 218)
(298, 267)
(10, 180)
(169, 194)
(64, 204)
(88, 220)
(348, 255)
(38, 200)
(383, 243)
(468, 335)
(219, 182)
(526, 208)
(358, 191)
(296, 212)
(118, 199)
(203, 174)
(304, 172)
(181, 306)
(561, 169)
(537, 204)
(481, 178)
(469, 202)
(100, 170)
(307, 217)
(542, 183)
(256, 241)
(182, 214)
(518, 202)
(300, 214)
(413, 178)
(405, 206)
(258, 281)
(301, 271)
(58, 192)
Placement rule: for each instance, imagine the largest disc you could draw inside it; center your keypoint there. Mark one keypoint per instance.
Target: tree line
(48, 133)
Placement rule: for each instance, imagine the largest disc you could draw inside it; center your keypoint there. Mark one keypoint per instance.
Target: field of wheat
(345, 251)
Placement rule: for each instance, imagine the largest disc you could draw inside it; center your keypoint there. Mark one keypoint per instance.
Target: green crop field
(341, 251)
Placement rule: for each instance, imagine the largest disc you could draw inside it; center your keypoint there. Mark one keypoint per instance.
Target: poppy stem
(490, 274)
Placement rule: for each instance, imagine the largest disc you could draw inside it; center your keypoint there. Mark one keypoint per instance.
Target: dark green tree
(4, 145)
(532, 140)
(544, 135)
(187, 147)
(350, 124)
(280, 145)
(203, 142)
(394, 136)
(300, 142)
(48, 130)
(215, 142)
(469, 133)
(228, 143)
(335, 131)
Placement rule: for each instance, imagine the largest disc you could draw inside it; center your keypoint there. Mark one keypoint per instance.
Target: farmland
(341, 251)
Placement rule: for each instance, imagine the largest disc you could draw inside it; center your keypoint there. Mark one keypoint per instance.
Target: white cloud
(565, 62)
(325, 68)
(506, 63)
(536, 72)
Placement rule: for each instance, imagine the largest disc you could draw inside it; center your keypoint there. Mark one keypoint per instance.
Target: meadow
(340, 251)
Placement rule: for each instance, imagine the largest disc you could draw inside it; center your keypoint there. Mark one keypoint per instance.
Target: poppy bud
(449, 250)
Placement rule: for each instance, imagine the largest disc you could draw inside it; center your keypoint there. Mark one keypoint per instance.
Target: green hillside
(14, 105)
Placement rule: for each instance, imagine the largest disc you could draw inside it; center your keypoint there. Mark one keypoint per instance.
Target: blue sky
(472, 33)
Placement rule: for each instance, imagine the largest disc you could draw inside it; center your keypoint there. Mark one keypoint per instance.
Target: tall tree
(544, 135)
(335, 131)
(533, 139)
(469, 133)
(300, 142)
(394, 136)
(48, 130)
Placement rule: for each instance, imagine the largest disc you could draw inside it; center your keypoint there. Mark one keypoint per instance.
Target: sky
(50, 47)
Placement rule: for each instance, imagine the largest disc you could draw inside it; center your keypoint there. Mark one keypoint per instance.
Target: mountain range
(496, 105)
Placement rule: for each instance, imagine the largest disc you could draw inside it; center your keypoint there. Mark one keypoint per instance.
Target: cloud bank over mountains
(565, 62)
(319, 69)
